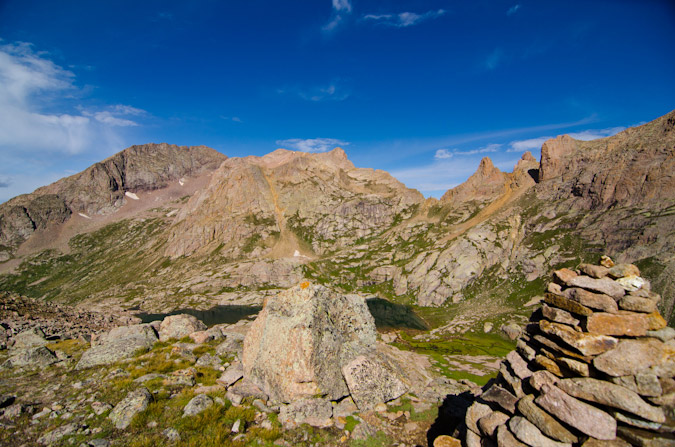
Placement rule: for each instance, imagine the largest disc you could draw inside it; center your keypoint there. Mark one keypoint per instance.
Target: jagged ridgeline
(595, 367)
(160, 227)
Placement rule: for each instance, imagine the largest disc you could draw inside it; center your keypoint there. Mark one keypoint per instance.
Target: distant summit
(103, 187)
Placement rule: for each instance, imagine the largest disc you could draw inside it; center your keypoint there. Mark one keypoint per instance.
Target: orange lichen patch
(304, 285)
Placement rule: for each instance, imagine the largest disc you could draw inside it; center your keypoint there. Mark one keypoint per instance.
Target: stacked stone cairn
(594, 367)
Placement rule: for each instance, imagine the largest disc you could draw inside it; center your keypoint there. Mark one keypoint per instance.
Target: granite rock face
(121, 342)
(287, 193)
(572, 385)
(302, 338)
(179, 326)
(312, 411)
(309, 342)
(101, 188)
(135, 402)
(373, 379)
(29, 339)
(197, 404)
(34, 357)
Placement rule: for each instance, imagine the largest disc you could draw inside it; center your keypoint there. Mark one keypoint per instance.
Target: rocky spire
(487, 183)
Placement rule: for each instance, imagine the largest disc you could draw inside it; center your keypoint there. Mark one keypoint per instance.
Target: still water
(387, 315)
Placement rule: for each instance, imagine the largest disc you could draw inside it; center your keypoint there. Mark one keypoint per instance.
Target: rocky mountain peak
(288, 200)
(486, 168)
(486, 183)
(632, 167)
(553, 152)
(103, 187)
(528, 157)
(335, 158)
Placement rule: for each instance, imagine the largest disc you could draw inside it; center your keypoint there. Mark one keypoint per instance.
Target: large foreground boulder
(179, 326)
(302, 338)
(120, 343)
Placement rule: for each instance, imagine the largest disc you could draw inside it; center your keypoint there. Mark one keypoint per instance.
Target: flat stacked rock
(595, 367)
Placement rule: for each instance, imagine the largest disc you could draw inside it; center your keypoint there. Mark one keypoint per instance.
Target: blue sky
(422, 89)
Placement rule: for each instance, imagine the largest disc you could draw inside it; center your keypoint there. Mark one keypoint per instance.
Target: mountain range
(159, 227)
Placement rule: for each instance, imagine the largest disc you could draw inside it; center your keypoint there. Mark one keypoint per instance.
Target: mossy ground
(71, 392)
(470, 356)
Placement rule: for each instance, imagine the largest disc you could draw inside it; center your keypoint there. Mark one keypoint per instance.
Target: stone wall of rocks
(594, 367)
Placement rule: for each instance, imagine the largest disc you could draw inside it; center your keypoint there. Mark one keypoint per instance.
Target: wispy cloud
(403, 19)
(594, 134)
(117, 115)
(314, 145)
(30, 82)
(513, 9)
(163, 15)
(333, 91)
(45, 120)
(494, 59)
(333, 24)
(526, 145)
(235, 119)
(341, 9)
(416, 146)
(442, 154)
(342, 5)
(584, 135)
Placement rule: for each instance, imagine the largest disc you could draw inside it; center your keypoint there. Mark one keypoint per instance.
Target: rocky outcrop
(554, 155)
(487, 183)
(135, 402)
(310, 342)
(633, 167)
(20, 217)
(197, 404)
(373, 379)
(299, 342)
(41, 321)
(179, 326)
(29, 339)
(291, 201)
(101, 188)
(312, 411)
(33, 357)
(577, 381)
(121, 342)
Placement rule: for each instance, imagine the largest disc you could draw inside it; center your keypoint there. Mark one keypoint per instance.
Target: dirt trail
(288, 242)
(509, 196)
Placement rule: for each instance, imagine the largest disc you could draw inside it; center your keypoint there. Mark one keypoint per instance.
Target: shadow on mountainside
(390, 315)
